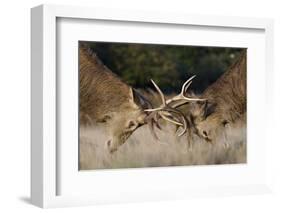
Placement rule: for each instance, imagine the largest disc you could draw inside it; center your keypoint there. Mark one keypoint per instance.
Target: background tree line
(168, 65)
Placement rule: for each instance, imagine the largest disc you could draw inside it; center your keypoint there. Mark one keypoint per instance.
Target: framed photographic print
(130, 106)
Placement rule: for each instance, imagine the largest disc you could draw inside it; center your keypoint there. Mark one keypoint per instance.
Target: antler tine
(163, 99)
(185, 89)
(181, 116)
(186, 85)
(181, 96)
(160, 92)
(170, 119)
(184, 127)
(153, 110)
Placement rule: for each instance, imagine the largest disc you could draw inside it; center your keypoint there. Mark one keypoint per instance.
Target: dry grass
(141, 150)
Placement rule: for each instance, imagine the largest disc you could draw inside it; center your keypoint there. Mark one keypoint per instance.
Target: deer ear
(139, 99)
(209, 108)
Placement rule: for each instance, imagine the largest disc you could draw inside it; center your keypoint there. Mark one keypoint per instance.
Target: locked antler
(168, 109)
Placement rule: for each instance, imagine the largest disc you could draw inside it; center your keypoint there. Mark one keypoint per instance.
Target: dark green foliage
(169, 66)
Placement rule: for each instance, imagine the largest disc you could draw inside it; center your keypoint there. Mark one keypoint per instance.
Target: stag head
(208, 120)
(121, 124)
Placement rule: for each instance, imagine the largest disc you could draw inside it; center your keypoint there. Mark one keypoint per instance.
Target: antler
(165, 112)
(168, 109)
(181, 99)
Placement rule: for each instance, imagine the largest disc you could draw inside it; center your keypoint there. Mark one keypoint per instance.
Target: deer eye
(225, 122)
(205, 133)
(132, 125)
(104, 119)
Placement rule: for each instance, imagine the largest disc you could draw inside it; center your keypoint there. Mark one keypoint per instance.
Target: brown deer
(106, 99)
(225, 103)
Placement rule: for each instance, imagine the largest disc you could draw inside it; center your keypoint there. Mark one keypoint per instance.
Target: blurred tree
(168, 65)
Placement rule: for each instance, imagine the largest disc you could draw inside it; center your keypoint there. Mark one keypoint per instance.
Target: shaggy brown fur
(106, 99)
(101, 91)
(228, 93)
(226, 101)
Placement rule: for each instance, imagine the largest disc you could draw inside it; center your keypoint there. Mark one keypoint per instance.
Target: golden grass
(141, 150)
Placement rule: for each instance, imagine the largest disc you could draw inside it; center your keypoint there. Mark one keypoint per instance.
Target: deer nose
(110, 148)
(204, 133)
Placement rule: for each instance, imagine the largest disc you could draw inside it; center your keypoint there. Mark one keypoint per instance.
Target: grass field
(141, 150)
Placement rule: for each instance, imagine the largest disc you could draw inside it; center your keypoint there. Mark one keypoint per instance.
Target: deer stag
(104, 99)
(225, 105)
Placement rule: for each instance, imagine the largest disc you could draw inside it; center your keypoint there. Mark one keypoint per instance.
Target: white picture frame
(44, 153)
